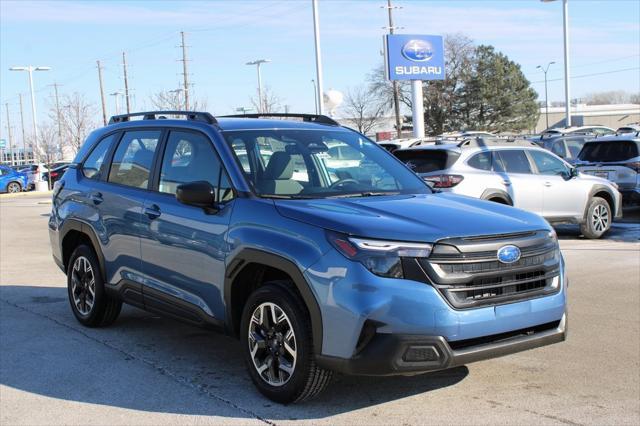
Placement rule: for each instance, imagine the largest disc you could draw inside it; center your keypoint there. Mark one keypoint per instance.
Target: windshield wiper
(364, 194)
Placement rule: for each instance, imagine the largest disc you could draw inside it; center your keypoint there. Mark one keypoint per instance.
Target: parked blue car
(318, 265)
(12, 181)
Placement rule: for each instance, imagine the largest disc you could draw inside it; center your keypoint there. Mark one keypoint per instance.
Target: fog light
(421, 354)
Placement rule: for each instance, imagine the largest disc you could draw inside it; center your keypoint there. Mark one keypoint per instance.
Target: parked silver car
(616, 158)
(520, 174)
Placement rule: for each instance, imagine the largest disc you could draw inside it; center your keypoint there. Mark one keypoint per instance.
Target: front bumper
(393, 354)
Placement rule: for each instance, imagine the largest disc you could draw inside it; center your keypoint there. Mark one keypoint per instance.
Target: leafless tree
(611, 97)
(77, 118)
(173, 100)
(363, 107)
(271, 103)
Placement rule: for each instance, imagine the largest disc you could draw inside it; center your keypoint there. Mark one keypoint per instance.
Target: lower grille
(468, 274)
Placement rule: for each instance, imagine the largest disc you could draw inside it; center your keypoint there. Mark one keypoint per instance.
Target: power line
(590, 75)
(604, 61)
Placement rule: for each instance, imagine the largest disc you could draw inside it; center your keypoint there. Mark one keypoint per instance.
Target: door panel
(525, 188)
(184, 248)
(563, 197)
(119, 205)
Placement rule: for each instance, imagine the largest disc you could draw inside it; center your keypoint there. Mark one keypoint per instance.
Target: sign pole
(417, 102)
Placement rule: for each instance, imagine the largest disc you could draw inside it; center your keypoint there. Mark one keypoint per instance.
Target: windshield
(301, 163)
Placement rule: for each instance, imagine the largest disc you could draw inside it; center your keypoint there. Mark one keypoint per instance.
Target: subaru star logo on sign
(417, 50)
(508, 254)
(414, 57)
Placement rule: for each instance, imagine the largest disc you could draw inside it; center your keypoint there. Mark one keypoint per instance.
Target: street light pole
(567, 85)
(315, 95)
(257, 63)
(546, 92)
(316, 37)
(30, 69)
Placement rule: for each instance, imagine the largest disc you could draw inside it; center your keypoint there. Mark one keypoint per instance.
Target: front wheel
(14, 187)
(278, 345)
(598, 218)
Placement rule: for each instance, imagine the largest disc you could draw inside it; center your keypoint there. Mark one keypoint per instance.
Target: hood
(426, 218)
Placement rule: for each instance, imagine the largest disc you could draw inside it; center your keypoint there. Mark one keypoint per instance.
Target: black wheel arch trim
(84, 228)
(596, 189)
(497, 193)
(248, 256)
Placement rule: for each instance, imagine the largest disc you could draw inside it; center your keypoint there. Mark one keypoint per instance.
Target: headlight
(382, 257)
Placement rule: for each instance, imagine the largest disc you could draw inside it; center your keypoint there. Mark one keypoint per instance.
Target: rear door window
(514, 161)
(427, 161)
(132, 160)
(609, 151)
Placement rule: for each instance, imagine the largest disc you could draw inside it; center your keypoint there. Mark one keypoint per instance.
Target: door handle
(547, 184)
(506, 182)
(96, 197)
(152, 212)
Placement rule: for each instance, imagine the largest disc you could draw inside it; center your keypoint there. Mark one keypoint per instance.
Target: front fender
(259, 234)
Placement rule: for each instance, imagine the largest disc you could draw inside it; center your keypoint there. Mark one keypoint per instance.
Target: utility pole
(58, 116)
(396, 100)
(185, 74)
(10, 136)
(24, 138)
(104, 106)
(126, 82)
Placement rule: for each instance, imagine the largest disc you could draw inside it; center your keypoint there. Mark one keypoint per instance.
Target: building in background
(614, 116)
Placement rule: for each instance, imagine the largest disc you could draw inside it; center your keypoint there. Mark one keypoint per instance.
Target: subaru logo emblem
(508, 254)
(417, 50)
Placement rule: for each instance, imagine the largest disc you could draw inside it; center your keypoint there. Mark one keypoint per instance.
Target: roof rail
(156, 115)
(480, 142)
(312, 118)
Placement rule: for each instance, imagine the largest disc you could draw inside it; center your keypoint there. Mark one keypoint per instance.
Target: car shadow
(154, 364)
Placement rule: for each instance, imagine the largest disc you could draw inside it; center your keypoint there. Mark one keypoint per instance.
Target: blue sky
(70, 36)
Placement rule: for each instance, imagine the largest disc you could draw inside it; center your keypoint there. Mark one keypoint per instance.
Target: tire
(306, 379)
(84, 277)
(598, 218)
(14, 187)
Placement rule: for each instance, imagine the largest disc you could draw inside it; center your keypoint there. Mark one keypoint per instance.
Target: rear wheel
(90, 304)
(598, 218)
(14, 187)
(278, 345)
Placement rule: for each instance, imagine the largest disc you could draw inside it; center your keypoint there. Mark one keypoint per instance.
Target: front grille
(468, 274)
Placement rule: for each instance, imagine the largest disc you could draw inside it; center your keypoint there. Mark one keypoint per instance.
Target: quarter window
(514, 161)
(93, 164)
(481, 161)
(132, 161)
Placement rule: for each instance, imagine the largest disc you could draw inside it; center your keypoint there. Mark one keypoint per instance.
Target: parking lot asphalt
(149, 370)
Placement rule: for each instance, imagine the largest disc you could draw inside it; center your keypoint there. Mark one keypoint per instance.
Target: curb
(30, 194)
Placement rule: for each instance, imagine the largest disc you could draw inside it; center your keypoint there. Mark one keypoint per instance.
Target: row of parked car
(567, 176)
(23, 177)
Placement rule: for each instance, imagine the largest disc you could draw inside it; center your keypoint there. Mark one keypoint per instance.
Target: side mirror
(199, 194)
(573, 172)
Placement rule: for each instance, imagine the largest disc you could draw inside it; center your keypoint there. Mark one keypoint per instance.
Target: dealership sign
(414, 57)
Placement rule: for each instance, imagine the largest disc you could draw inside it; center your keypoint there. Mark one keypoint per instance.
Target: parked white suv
(522, 175)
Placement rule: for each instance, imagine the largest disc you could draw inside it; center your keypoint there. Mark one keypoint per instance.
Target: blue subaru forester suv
(310, 243)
